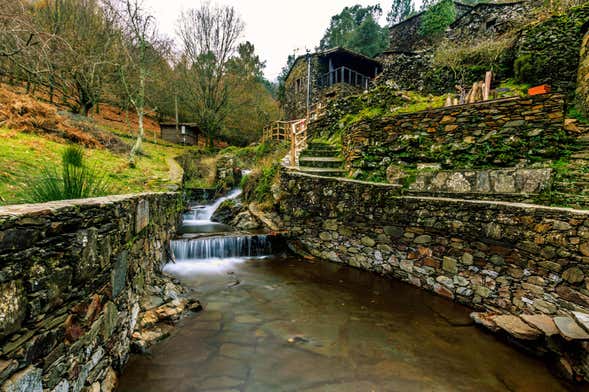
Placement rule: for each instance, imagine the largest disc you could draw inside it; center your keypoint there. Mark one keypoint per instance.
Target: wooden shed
(181, 133)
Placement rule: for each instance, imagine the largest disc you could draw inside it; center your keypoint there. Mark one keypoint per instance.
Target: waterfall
(200, 215)
(222, 247)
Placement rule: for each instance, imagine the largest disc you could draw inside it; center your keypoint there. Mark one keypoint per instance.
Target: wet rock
(443, 291)
(542, 322)
(485, 320)
(514, 326)
(227, 212)
(569, 329)
(145, 339)
(246, 221)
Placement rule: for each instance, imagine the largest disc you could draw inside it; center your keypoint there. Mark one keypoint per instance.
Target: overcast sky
(277, 28)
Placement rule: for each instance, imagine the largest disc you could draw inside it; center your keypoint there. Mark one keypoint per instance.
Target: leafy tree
(401, 10)
(209, 37)
(437, 17)
(356, 28)
(250, 104)
(282, 77)
(369, 38)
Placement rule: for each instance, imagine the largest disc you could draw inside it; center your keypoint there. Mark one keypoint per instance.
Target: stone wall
(500, 257)
(483, 183)
(71, 277)
(536, 48)
(499, 133)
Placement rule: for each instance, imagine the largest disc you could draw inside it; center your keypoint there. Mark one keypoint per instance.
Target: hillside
(33, 134)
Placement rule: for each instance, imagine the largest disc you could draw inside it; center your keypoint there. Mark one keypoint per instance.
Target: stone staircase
(322, 159)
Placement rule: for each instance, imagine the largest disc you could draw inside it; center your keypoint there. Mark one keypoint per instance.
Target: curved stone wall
(504, 258)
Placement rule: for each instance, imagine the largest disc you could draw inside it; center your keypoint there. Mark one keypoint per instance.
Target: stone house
(181, 133)
(316, 76)
(408, 58)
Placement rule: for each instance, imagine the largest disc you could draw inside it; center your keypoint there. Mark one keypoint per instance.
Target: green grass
(23, 157)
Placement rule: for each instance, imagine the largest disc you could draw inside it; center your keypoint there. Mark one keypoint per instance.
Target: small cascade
(202, 214)
(222, 247)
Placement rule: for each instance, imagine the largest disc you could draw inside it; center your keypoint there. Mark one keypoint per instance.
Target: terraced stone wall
(498, 257)
(498, 133)
(71, 278)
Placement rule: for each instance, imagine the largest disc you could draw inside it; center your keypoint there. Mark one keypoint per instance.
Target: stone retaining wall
(494, 133)
(71, 277)
(498, 257)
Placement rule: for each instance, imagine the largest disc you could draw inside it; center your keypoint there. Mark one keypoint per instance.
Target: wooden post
(293, 145)
(487, 88)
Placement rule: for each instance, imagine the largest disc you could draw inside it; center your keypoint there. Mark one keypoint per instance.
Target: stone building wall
(582, 94)
(500, 257)
(71, 277)
(561, 35)
(497, 133)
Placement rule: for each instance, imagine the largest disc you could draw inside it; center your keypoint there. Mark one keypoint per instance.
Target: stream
(276, 322)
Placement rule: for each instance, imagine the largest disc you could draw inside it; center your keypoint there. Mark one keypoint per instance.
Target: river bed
(284, 324)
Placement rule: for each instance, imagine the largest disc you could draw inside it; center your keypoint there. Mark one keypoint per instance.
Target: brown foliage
(25, 114)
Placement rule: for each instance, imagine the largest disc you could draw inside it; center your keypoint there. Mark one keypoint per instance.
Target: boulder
(227, 212)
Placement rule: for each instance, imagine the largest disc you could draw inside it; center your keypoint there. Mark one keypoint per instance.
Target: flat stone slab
(582, 319)
(569, 329)
(516, 327)
(542, 322)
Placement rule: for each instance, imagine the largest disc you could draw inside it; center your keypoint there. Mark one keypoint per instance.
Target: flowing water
(198, 219)
(281, 323)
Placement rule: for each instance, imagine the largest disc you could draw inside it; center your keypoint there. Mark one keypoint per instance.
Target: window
(298, 85)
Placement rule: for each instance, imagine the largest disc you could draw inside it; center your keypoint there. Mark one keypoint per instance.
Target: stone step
(325, 162)
(327, 172)
(320, 153)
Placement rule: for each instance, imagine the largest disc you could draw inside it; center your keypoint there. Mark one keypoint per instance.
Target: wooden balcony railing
(344, 75)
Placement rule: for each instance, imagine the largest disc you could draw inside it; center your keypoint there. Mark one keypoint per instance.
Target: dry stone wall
(71, 277)
(497, 133)
(504, 258)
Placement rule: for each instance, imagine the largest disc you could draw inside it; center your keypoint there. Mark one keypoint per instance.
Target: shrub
(525, 68)
(76, 180)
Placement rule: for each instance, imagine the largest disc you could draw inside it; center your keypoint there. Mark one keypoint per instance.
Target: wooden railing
(278, 130)
(294, 131)
(344, 75)
(298, 141)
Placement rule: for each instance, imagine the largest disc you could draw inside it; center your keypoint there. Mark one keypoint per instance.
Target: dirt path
(176, 171)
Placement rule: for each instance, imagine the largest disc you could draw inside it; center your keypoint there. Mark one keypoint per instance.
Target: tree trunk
(139, 106)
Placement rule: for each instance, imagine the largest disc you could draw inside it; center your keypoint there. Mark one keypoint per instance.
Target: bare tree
(209, 36)
(138, 40)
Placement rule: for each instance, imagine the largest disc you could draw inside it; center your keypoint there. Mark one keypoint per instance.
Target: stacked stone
(501, 257)
(457, 130)
(71, 277)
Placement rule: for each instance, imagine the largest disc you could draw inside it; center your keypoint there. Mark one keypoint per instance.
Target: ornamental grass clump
(75, 181)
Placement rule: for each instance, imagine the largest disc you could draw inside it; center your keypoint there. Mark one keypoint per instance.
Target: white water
(214, 254)
(201, 215)
(222, 247)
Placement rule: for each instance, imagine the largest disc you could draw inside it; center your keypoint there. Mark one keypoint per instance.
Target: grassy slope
(23, 155)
